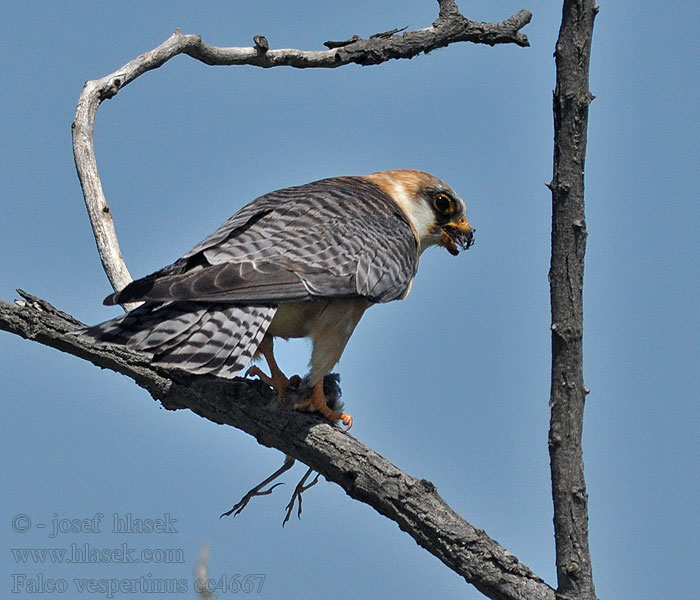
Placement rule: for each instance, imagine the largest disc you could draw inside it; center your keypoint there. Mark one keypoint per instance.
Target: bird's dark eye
(444, 204)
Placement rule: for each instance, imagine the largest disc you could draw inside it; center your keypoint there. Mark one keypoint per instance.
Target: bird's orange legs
(317, 402)
(277, 380)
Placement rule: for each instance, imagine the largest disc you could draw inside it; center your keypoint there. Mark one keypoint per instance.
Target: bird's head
(436, 213)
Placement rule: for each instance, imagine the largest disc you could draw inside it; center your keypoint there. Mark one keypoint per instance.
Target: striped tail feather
(202, 339)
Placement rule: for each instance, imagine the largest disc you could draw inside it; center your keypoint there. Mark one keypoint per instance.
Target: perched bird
(301, 262)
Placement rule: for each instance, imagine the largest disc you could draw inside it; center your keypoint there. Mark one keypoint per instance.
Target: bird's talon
(336, 417)
(255, 371)
(278, 381)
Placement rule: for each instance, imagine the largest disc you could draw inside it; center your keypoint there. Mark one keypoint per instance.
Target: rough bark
(412, 503)
(568, 392)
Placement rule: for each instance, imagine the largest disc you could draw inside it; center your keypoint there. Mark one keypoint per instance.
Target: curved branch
(413, 504)
(449, 27)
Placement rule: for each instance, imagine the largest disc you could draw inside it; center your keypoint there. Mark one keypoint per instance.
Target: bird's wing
(336, 238)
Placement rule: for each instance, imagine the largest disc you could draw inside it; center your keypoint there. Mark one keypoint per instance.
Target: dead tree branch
(448, 28)
(413, 504)
(568, 392)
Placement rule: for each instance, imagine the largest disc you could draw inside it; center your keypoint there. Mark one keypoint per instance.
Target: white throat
(419, 214)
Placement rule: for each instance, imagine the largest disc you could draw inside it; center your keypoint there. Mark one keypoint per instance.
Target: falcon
(301, 262)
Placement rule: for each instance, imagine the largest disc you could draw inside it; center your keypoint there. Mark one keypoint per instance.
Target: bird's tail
(214, 339)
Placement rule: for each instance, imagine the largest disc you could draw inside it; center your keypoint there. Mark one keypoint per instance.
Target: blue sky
(451, 384)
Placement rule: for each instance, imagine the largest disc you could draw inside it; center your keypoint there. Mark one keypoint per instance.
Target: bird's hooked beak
(456, 234)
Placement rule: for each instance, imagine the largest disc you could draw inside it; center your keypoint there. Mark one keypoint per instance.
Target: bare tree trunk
(568, 393)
